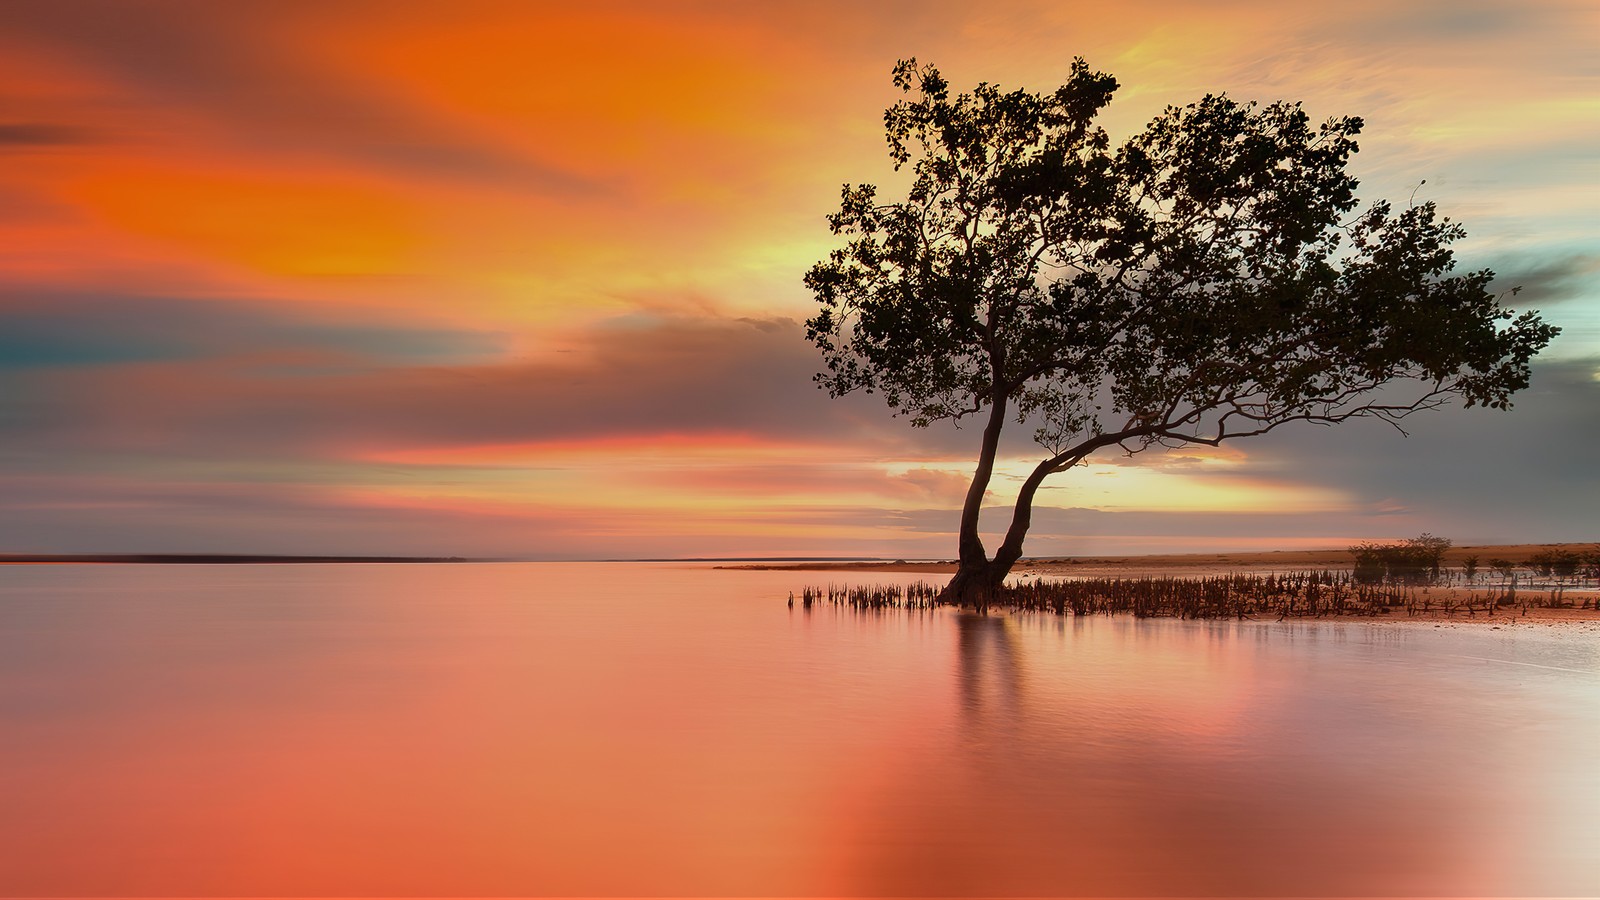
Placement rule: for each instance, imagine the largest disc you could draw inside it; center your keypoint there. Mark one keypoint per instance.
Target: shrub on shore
(1415, 561)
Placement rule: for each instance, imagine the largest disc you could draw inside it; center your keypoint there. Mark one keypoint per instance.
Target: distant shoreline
(1154, 563)
(1181, 563)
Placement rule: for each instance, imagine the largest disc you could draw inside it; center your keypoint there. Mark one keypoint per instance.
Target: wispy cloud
(41, 134)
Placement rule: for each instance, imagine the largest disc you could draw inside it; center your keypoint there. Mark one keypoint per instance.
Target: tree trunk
(977, 582)
(972, 585)
(971, 544)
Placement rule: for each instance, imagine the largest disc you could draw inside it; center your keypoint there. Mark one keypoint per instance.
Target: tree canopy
(1210, 278)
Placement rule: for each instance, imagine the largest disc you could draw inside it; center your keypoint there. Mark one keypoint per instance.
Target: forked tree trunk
(978, 578)
(973, 586)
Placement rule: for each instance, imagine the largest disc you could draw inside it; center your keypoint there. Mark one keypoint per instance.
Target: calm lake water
(670, 730)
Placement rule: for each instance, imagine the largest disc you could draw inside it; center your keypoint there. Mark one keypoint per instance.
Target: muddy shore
(1580, 614)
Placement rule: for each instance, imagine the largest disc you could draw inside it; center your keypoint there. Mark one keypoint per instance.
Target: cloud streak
(40, 134)
(56, 329)
(235, 63)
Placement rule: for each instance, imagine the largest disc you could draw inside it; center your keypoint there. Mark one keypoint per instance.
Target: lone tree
(1209, 279)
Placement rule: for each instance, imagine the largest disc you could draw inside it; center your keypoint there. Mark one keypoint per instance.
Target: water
(669, 730)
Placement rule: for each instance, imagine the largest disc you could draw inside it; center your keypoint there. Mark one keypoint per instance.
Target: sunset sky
(499, 278)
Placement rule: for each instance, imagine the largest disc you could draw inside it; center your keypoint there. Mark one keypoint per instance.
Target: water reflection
(989, 668)
(497, 731)
(1111, 757)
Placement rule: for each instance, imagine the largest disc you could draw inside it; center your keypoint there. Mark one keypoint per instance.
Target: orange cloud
(598, 90)
(707, 447)
(299, 224)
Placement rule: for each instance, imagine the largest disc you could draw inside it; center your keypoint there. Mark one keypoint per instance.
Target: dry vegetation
(1277, 585)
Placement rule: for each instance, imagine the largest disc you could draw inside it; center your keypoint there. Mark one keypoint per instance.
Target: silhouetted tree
(1207, 280)
(1504, 566)
(1369, 565)
(1562, 564)
(1414, 561)
(1428, 552)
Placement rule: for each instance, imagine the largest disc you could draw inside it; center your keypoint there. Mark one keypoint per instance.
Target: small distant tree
(1562, 564)
(1469, 566)
(1415, 561)
(1209, 279)
(1428, 552)
(1504, 566)
(1370, 567)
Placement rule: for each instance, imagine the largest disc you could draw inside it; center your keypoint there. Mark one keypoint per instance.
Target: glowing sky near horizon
(507, 278)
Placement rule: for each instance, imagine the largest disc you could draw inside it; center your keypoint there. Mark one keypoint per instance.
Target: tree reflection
(989, 668)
